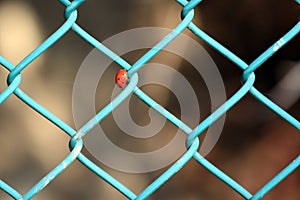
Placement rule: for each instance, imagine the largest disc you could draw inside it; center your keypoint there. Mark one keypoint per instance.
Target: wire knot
(188, 7)
(72, 7)
(75, 141)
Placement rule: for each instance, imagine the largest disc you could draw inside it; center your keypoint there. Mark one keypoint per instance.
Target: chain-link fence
(14, 80)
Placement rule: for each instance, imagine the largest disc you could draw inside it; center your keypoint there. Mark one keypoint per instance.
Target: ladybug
(121, 78)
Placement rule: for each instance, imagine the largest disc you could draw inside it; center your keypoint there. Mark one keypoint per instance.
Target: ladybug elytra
(121, 78)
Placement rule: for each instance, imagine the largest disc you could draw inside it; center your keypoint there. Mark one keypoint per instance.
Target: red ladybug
(121, 78)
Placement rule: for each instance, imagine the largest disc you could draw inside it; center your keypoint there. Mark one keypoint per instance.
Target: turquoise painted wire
(222, 176)
(271, 50)
(78, 146)
(250, 69)
(71, 132)
(16, 70)
(161, 44)
(170, 171)
(9, 190)
(43, 47)
(106, 177)
(12, 87)
(213, 117)
(197, 156)
(221, 110)
(240, 63)
(94, 42)
(255, 64)
(182, 126)
(243, 65)
(14, 80)
(258, 95)
(143, 60)
(55, 172)
(188, 6)
(277, 179)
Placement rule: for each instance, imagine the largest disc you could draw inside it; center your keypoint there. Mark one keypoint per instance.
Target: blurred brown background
(255, 143)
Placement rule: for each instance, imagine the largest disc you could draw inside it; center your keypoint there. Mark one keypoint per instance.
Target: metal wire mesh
(76, 143)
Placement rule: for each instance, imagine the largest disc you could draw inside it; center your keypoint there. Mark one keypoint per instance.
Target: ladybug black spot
(118, 79)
